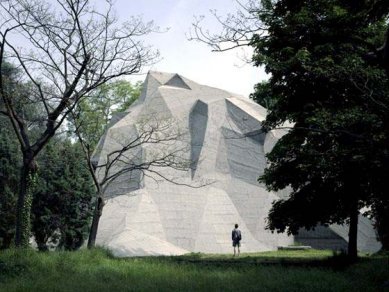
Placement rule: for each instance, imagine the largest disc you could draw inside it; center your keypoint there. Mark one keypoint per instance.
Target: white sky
(192, 59)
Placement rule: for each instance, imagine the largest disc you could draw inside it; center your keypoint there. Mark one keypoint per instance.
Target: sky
(191, 59)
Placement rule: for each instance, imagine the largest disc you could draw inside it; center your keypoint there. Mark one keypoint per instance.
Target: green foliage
(61, 193)
(95, 270)
(334, 157)
(273, 256)
(380, 211)
(95, 111)
(10, 163)
(62, 202)
(89, 122)
(263, 95)
(10, 159)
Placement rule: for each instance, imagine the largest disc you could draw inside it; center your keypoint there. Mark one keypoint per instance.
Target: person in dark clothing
(236, 238)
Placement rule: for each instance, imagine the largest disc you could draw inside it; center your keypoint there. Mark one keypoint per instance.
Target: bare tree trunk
(95, 222)
(353, 232)
(23, 208)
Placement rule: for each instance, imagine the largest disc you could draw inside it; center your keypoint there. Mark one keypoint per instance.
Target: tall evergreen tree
(326, 60)
(10, 161)
(321, 80)
(63, 199)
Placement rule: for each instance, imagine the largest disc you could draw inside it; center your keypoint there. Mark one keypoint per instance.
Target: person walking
(236, 238)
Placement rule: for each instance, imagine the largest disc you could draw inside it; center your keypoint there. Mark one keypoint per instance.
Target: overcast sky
(192, 59)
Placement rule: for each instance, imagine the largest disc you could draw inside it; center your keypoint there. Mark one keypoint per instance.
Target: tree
(89, 120)
(127, 160)
(10, 160)
(237, 30)
(321, 82)
(58, 195)
(9, 170)
(71, 49)
(326, 78)
(263, 95)
(380, 207)
(62, 204)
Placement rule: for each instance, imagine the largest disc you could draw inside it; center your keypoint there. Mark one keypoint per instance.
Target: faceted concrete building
(194, 207)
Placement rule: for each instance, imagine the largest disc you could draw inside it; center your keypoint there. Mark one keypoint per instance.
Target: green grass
(310, 254)
(270, 271)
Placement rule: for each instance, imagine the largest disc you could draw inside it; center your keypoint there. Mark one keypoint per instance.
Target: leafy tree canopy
(335, 155)
(94, 112)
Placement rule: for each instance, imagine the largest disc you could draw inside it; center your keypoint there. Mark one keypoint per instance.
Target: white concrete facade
(226, 147)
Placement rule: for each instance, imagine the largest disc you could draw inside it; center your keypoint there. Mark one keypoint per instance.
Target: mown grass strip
(97, 270)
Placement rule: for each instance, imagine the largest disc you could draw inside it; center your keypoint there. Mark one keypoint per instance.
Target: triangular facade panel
(176, 81)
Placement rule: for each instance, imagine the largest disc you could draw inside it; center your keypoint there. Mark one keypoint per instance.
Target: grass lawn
(270, 271)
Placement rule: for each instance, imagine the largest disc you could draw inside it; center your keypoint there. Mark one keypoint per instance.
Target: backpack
(237, 235)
